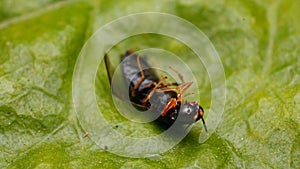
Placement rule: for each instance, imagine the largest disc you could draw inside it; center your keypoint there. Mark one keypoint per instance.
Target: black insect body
(149, 92)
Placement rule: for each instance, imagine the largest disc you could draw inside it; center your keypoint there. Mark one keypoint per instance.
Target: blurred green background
(259, 45)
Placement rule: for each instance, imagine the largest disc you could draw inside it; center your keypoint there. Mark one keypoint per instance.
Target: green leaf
(258, 42)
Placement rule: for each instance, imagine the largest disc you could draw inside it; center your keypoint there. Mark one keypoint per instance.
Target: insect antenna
(205, 128)
(188, 94)
(201, 116)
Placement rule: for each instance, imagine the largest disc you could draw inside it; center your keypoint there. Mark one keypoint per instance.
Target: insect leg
(171, 104)
(153, 90)
(178, 74)
(141, 79)
(181, 88)
(159, 85)
(171, 84)
(188, 94)
(184, 86)
(168, 84)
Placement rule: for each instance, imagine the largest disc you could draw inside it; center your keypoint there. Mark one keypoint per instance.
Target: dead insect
(149, 92)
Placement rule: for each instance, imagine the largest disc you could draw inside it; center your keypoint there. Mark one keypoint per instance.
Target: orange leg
(153, 90)
(188, 94)
(173, 101)
(178, 74)
(170, 84)
(141, 79)
(171, 104)
(181, 88)
(184, 86)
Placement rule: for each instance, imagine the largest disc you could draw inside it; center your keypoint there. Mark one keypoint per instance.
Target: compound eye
(188, 110)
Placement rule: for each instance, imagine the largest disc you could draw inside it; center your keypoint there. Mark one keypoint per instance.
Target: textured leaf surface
(258, 42)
